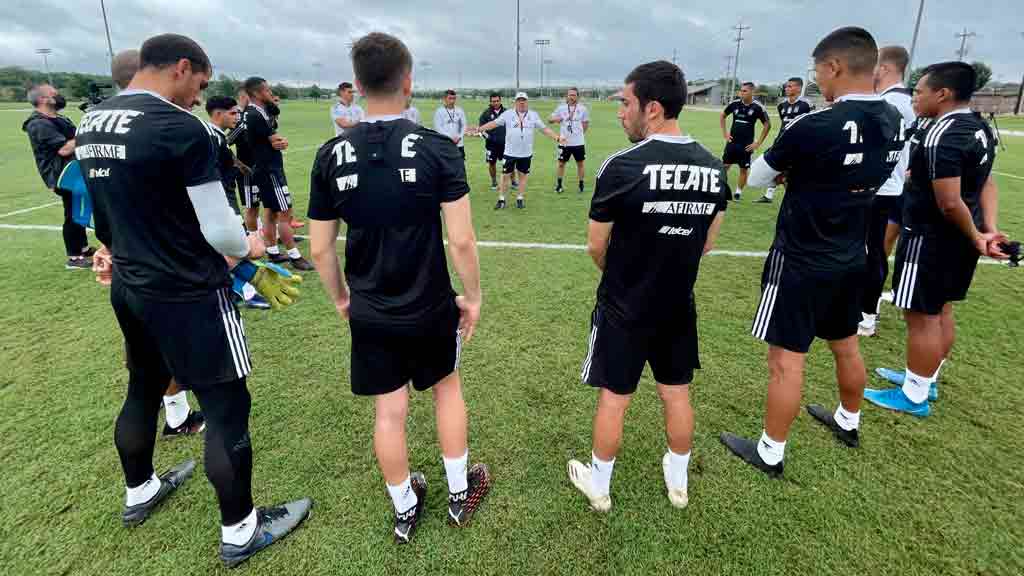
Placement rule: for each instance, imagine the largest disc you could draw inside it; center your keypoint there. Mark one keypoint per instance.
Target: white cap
(522, 96)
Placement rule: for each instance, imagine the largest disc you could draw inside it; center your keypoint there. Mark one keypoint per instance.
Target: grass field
(943, 495)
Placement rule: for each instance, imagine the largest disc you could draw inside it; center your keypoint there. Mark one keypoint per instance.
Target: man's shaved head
(123, 67)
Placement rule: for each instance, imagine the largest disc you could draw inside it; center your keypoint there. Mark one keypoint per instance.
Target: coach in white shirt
(345, 113)
(519, 123)
(574, 120)
(450, 120)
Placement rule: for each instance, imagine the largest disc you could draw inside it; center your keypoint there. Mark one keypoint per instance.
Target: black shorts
(384, 358)
(462, 152)
(736, 153)
(273, 189)
(800, 304)
(494, 153)
(248, 192)
(579, 153)
(616, 356)
(229, 191)
(932, 271)
(521, 165)
(896, 210)
(199, 342)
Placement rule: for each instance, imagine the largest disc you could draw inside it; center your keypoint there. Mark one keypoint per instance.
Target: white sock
(770, 450)
(294, 253)
(770, 193)
(455, 472)
(402, 495)
(939, 369)
(869, 319)
(847, 420)
(273, 249)
(677, 468)
(916, 387)
(501, 197)
(601, 474)
(519, 196)
(739, 191)
(176, 409)
(143, 492)
(239, 534)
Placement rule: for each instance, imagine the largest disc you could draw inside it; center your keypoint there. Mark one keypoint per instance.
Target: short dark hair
(854, 45)
(380, 61)
(662, 82)
(573, 89)
(167, 49)
(450, 92)
(220, 103)
(253, 84)
(959, 77)
(895, 55)
(344, 85)
(796, 79)
(750, 84)
(494, 95)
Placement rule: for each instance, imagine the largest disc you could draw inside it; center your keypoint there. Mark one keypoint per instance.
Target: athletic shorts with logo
(521, 165)
(736, 153)
(799, 304)
(199, 342)
(616, 355)
(494, 153)
(248, 192)
(932, 271)
(386, 357)
(578, 153)
(273, 189)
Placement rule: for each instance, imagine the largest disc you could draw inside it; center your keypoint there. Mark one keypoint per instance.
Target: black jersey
(139, 154)
(238, 139)
(958, 145)
(495, 137)
(744, 117)
(225, 158)
(259, 127)
(661, 195)
(790, 110)
(387, 180)
(835, 159)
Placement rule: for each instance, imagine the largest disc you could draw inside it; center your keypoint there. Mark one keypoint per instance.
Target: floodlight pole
(739, 28)
(106, 25)
(540, 44)
(46, 63)
(913, 43)
(517, 45)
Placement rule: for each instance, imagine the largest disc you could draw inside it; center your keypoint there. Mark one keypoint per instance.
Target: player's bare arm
(458, 222)
(323, 239)
(598, 236)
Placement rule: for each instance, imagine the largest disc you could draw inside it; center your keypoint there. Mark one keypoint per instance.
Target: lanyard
(522, 123)
(451, 116)
(572, 116)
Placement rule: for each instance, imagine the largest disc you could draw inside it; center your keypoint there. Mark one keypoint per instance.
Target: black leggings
(228, 453)
(74, 234)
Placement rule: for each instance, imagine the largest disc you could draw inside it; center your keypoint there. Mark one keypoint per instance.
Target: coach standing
(53, 142)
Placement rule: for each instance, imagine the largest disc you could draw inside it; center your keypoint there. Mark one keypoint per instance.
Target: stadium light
(547, 62)
(46, 63)
(540, 43)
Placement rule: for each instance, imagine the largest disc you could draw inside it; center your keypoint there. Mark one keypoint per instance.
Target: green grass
(936, 496)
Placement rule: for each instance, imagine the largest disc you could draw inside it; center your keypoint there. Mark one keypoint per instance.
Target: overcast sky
(472, 43)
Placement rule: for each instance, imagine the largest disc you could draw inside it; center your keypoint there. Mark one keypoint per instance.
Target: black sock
(581, 185)
(559, 182)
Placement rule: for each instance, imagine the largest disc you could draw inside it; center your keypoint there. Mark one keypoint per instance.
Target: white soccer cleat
(677, 496)
(866, 327)
(579, 475)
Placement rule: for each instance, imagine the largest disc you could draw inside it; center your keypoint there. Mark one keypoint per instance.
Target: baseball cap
(522, 96)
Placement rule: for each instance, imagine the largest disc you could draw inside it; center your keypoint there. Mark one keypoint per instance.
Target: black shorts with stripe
(248, 192)
(932, 271)
(616, 355)
(386, 357)
(577, 153)
(736, 153)
(494, 153)
(799, 304)
(200, 342)
(514, 164)
(273, 189)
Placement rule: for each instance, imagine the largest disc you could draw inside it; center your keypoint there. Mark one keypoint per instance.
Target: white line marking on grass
(1014, 176)
(29, 227)
(17, 110)
(24, 210)
(304, 148)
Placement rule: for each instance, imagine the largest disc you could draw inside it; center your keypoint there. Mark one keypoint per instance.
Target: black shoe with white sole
(746, 450)
(274, 523)
(194, 424)
(849, 437)
(169, 482)
(406, 522)
(461, 506)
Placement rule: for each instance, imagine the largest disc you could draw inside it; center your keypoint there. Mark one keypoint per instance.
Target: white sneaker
(579, 475)
(677, 496)
(866, 327)
(888, 296)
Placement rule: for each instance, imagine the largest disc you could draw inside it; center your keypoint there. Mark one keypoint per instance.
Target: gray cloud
(471, 43)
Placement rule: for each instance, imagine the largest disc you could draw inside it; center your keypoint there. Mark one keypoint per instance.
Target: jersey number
(854, 157)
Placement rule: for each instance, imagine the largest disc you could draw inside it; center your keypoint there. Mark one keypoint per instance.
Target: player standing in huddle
(494, 141)
(656, 211)
(345, 113)
(391, 181)
(247, 190)
(950, 219)
(739, 141)
(574, 120)
(789, 109)
(835, 160)
(450, 120)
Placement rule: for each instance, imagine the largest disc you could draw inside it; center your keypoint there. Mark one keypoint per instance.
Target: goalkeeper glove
(271, 281)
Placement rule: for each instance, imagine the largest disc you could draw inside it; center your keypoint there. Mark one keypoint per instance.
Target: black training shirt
(259, 127)
(788, 111)
(662, 195)
(139, 154)
(495, 137)
(47, 135)
(387, 180)
(225, 159)
(744, 117)
(835, 159)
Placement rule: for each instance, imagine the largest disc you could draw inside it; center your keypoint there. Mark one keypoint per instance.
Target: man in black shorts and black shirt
(739, 141)
(268, 173)
(388, 178)
(656, 210)
(949, 221)
(791, 108)
(494, 141)
(247, 191)
(835, 160)
(160, 208)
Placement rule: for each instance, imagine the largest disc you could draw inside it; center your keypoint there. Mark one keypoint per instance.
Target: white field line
(24, 210)
(1014, 176)
(492, 244)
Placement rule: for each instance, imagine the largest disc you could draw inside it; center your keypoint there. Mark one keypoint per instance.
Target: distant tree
(282, 91)
(224, 86)
(79, 86)
(314, 92)
(915, 76)
(984, 73)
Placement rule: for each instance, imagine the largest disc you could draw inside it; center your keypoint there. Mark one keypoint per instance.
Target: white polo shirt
(352, 113)
(519, 129)
(902, 101)
(451, 123)
(411, 114)
(572, 118)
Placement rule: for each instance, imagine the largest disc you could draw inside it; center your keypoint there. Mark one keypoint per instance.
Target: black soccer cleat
(763, 200)
(406, 522)
(500, 205)
(520, 203)
(849, 437)
(78, 263)
(194, 424)
(461, 506)
(300, 263)
(169, 482)
(746, 450)
(278, 258)
(559, 189)
(273, 524)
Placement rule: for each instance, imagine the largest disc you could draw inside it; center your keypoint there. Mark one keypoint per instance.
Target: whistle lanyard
(572, 116)
(451, 116)
(522, 124)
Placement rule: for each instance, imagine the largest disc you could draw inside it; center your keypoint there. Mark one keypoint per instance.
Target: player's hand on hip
(256, 246)
(728, 137)
(469, 315)
(751, 147)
